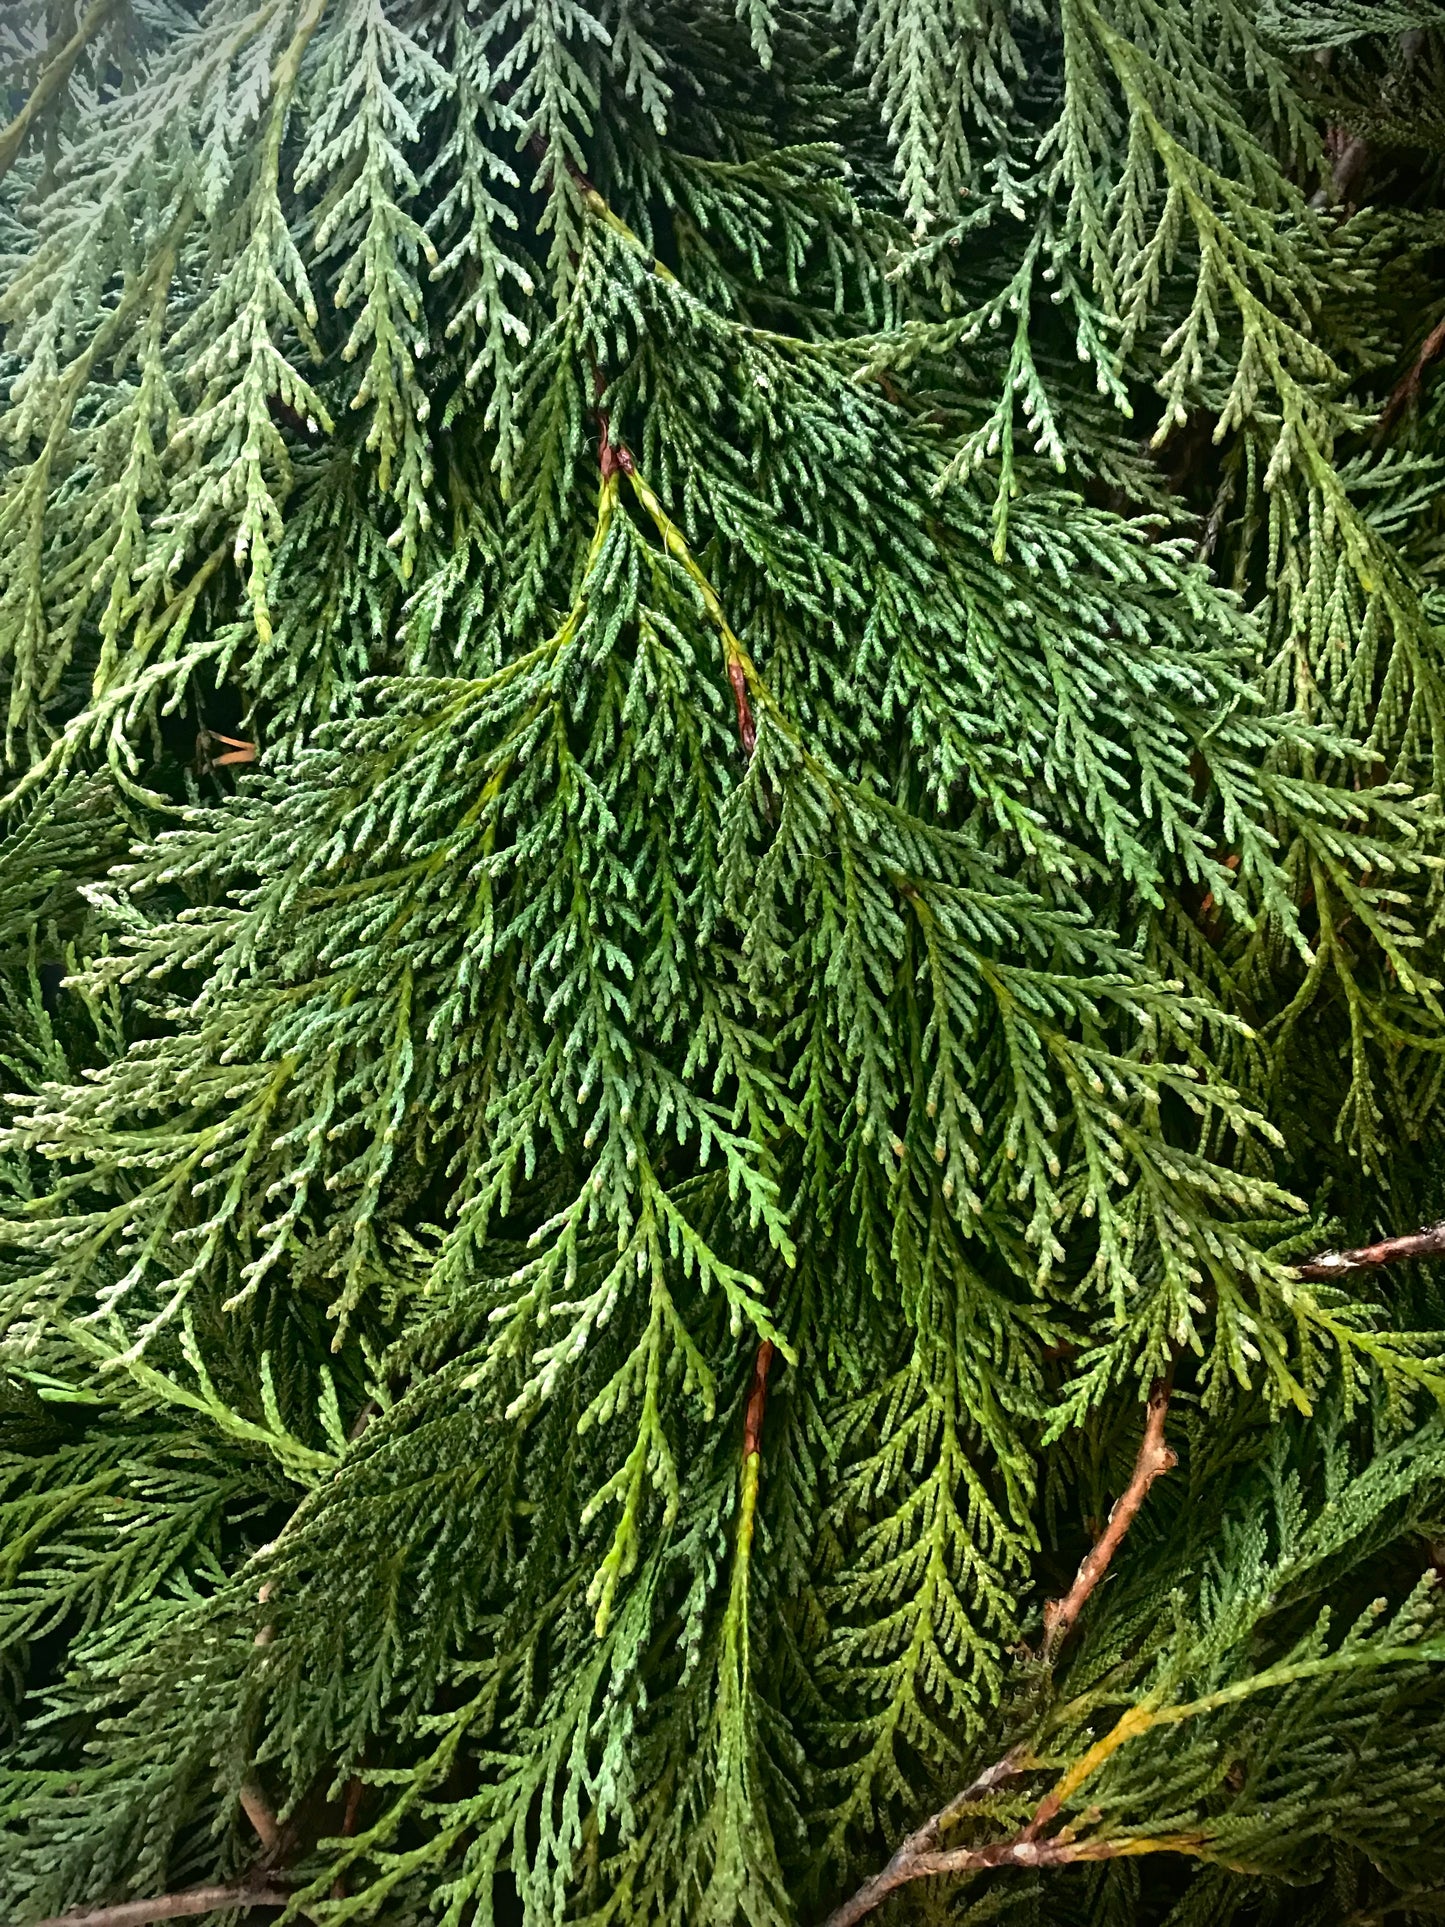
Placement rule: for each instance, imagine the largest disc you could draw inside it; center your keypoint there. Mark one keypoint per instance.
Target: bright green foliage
(843, 619)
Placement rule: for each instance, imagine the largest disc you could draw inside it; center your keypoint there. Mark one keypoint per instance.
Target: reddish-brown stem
(1408, 387)
(1429, 1243)
(354, 1791)
(1231, 862)
(757, 1401)
(1154, 1457)
(747, 729)
(194, 1900)
(611, 456)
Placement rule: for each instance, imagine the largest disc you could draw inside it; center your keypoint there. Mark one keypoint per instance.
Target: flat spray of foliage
(722, 726)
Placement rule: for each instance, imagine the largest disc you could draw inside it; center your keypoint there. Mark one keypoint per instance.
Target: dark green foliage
(841, 610)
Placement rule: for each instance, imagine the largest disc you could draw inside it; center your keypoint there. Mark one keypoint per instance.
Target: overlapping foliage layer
(841, 608)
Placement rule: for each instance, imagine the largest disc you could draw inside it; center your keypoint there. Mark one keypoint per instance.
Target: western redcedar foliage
(723, 727)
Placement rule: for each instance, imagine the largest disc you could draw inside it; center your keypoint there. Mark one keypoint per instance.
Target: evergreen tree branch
(612, 457)
(1155, 1456)
(192, 1900)
(1426, 1243)
(920, 1855)
(499, 1043)
(53, 76)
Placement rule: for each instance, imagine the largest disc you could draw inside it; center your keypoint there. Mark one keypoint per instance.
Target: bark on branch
(193, 1900)
(257, 1809)
(1407, 388)
(1329, 1265)
(1021, 1851)
(918, 1853)
(1155, 1456)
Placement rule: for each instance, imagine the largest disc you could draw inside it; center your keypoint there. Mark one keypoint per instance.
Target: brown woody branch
(193, 1900)
(349, 1818)
(1018, 1852)
(1351, 157)
(921, 1855)
(1155, 1456)
(1407, 389)
(918, 1853)
(1328, 1265)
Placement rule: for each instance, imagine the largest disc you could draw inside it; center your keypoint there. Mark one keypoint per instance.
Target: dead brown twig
(1328, 1265)
(922, 1855)
(193, 1900)
(237, 750)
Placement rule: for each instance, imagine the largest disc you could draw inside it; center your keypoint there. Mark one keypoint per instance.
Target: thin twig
(238, 751)
(922, 1845)
(354, 1792)
(1020, 1851)
(194, 1900)
(1155, 1456)
(1429, 1243)
(1408, 387)
(1214, 526)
